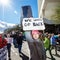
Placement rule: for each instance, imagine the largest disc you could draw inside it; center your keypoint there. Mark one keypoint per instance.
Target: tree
(17, 27)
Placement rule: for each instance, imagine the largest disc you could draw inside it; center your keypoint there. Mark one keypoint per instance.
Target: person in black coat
(19, 41)
(14, 35)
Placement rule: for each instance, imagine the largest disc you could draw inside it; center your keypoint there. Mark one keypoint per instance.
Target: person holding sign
(38, 52)
(31, 27)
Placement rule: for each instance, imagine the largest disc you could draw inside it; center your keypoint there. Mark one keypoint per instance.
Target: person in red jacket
(3, 42)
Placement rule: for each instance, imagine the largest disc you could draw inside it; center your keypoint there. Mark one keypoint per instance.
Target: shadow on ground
(24, 57)
(57, 55)
(51, 58)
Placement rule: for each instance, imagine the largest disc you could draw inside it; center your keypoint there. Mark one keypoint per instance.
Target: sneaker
(9, 58)
(53, 59)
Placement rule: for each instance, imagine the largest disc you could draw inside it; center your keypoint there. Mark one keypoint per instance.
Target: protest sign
(33, 24)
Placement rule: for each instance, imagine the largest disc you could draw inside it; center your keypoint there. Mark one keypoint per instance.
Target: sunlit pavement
(15, 54)
(25, 51)
(57, 57)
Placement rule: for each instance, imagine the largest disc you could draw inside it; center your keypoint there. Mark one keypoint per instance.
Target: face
(52, 34)
(20, 34)
(35, 36)
(59, 35)
(49, 35)
(8, 35)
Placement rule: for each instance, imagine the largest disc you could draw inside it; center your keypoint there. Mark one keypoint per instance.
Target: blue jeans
(15, 43)
(19, 48)
(9, 49)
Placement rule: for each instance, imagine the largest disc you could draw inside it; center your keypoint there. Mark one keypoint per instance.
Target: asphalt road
(25, 53)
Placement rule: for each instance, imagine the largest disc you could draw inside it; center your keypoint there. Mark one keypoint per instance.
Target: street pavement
(57, 57)
(25, 53)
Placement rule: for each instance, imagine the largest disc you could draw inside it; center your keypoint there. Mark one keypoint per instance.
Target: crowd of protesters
(38, 43)
(51, 41)
(9, 38)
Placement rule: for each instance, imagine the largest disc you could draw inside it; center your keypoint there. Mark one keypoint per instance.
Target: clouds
(5, 24)
(1, 32)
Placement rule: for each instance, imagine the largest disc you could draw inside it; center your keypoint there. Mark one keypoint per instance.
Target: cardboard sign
(33, 24)
(3, 53)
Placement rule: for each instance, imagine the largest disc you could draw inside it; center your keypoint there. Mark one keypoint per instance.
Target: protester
(9, 42)
(37, 51)
(53, 42)
(14, 36)
(19, 41)
(3, 48)
(47, 45)
(3, 42)
(58, 42)
(58, 39)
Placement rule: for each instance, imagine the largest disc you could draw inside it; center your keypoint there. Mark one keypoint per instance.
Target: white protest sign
(33, 24)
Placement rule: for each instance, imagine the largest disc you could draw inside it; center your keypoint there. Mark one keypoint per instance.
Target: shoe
(53, 59)
(56, 54)
(20, 55)
(9, 58)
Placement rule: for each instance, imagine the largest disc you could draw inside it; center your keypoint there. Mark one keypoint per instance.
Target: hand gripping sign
(33, 24)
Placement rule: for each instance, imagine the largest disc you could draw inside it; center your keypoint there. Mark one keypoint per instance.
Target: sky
(11, 11)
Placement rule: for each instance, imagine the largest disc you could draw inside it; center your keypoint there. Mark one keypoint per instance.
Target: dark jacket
(37, 51)
(19, 40)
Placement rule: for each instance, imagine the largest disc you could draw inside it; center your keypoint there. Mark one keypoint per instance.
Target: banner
(33, 24)
(3, 53)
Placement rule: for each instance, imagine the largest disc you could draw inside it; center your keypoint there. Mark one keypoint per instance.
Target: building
(46, 10)
(26, 11)
(46, 7)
